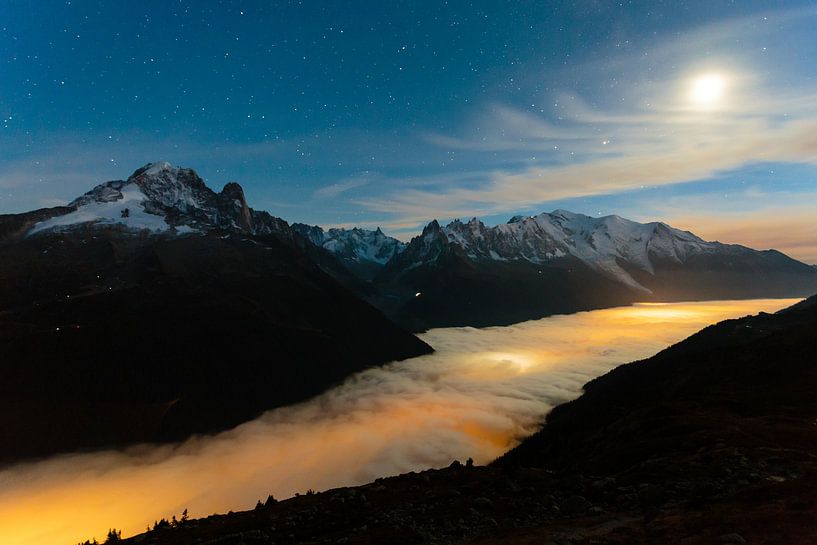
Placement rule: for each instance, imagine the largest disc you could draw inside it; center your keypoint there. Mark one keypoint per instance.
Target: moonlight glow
(708, 89)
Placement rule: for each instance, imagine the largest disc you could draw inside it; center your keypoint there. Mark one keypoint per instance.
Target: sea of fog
(480, 393)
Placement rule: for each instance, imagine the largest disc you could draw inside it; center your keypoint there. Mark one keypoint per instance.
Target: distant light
(418, 294)
(708, 89)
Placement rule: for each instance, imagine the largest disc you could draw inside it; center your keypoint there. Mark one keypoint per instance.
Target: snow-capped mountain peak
(155, 168)
(171, 187)
(611, 244)
(362, 250)
(160, 197)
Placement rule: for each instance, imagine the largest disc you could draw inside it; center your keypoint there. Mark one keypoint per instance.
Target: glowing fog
(477, 396)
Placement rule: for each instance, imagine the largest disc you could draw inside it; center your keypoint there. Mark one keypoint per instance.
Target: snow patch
(110, 213)
(356, 245)
(186, 230)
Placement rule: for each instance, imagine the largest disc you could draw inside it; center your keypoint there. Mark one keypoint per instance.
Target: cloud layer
(475, 397)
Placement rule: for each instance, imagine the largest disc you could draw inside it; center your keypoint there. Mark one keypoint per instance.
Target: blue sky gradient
(394, 113)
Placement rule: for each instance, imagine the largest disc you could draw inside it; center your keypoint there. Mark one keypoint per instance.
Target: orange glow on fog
(475, 397)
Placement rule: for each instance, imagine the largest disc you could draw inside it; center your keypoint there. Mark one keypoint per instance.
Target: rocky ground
(760, 501)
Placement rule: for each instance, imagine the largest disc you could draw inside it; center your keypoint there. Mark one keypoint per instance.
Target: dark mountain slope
(435, 283)
(739, 273)
(454, 291)
(362, 251)
(471, 274)
(740, 382)
(15, 226)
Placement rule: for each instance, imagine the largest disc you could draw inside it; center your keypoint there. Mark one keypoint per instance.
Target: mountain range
(157, 279)
(467, 273)
(362, 251)
(463, 273)
(558, 262)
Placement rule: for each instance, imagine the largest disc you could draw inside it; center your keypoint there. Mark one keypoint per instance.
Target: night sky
(701, 114)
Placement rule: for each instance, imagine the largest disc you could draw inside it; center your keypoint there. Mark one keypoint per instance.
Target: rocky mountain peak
(232, 200)
(433, 232)
(363, 251)
(160, 197)
(603, 243)
(432, 227)
(424, 248)
(232, 190)
(169, 186)
(152, 168)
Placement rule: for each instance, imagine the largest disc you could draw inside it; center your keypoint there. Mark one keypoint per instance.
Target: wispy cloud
(332, 191)
(653, 135)
(502, 127)
(789, 229)
(796, 141)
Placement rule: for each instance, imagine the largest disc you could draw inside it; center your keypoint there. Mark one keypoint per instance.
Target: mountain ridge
(160, 197)
(466, 273)
(363, 251)
(600, 242)
(185, 203)
(461, 273)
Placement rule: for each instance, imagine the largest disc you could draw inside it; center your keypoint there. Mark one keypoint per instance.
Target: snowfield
(109, 213)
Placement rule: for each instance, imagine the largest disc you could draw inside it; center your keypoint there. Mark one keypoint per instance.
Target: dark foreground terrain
(713, 440)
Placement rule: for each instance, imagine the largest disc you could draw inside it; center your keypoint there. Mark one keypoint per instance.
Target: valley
(154, 308)
(477, 395)
(299, 272)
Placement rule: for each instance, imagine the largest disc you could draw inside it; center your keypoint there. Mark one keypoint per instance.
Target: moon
(708, 89)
